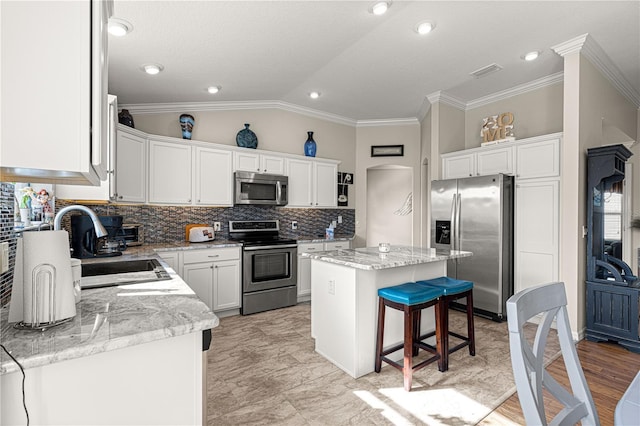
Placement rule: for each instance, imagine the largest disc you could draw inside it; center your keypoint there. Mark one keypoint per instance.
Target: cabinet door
(130, 168)
(304, 267)
(169, 173)
(199, 276)
(536, 233)
(246, 161)
(538, 159)
(459, 166)
(226, 285)
(213, 176)
(496, 160)
(326, 184)
(57, 146)
(300, 174)
(272, 164)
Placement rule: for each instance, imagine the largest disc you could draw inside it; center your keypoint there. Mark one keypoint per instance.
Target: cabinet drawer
(310, 247)
(210, 255)
(336, 245)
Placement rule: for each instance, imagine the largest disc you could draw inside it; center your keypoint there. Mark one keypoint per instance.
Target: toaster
(200, 233)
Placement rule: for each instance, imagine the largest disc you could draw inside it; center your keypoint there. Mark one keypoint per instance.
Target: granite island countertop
(371, 258)
(111, 318)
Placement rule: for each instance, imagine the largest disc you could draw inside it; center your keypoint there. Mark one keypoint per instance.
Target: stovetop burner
(257, 232)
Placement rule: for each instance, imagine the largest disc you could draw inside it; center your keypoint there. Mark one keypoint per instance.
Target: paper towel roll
(45, 258)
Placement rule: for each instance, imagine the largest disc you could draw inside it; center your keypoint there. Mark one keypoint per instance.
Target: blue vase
(246, 138)
(310, 146)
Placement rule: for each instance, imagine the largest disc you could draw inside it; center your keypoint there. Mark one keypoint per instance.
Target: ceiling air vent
(484, 71)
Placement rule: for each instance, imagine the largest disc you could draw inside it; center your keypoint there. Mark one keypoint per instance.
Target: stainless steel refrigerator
(476, 214)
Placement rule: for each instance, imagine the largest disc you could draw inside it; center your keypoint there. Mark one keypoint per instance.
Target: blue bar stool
(453, 290)
(410, 298)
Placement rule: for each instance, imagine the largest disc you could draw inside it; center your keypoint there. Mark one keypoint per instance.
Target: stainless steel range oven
(269, 266)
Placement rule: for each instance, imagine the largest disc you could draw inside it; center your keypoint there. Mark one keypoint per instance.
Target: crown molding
(446, 99)
(180, 107)
(424, 109)
(517, 90)
(591, 50)
(388, 122)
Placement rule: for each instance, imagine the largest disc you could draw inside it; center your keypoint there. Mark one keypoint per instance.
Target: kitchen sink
(107, 274)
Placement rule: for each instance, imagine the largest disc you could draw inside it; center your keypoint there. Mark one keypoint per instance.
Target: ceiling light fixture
(152, 69)
(531, 56)
(425, 27)
(380, 8)
(119, 27)
(314, 95)
(213, 89)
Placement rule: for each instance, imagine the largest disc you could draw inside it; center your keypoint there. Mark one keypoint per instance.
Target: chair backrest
(550, 301)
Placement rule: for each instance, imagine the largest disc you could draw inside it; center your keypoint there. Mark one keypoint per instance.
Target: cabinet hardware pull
(215, 255)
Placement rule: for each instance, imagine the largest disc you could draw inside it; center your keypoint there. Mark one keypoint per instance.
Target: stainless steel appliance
(86, 244)
(476, 214)
(133, 234)
(260, 188)
(269, 266)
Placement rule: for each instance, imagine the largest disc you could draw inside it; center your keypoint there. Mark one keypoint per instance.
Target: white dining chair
(530, 375)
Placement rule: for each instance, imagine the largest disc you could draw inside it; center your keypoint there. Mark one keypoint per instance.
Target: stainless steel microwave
(260, 188)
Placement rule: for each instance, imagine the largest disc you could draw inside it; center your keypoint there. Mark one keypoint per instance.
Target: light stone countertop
(312, 239)
(370, 258)
(111, 318)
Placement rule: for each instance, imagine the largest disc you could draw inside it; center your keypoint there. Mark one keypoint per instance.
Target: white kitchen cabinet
(169, 173)
(304, 264)
(66, 104)
(494, 161)
(312, 183)
(458, 165)
(257, 162)
(214, 275)
(172, 258)
(536, 232)
(213, 181)
(537, 159)
(131, 166)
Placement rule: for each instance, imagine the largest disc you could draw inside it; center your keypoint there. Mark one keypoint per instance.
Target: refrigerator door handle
(454, 207)
(458, 208)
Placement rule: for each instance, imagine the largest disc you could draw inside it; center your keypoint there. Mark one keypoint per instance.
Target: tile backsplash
(166, 224)
(7, 234)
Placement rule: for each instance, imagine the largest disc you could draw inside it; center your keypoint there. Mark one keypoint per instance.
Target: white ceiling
(366, 67)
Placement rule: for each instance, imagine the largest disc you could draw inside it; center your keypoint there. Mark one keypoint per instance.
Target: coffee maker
(86, 244)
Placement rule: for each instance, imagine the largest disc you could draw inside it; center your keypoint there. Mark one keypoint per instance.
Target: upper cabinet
(251, 161)
(169, 173)
(312, 183)
(213, 183)
(58, 115)
(526, 158)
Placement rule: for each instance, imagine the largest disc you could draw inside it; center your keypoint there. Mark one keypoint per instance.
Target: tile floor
(262, 369)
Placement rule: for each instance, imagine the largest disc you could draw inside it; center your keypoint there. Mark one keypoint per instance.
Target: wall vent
(484, 71)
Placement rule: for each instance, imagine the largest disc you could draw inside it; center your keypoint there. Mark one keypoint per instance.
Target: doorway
(389, 205)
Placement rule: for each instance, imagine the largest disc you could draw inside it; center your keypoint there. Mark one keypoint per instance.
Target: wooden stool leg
(470, 325)
(417, 315)
(442, 332)
(380, 335)
(407, 369)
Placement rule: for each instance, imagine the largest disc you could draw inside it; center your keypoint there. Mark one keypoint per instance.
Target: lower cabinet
(304, 264)
(213, 274)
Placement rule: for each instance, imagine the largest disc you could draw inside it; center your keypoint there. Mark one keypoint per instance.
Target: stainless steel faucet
(97, 225)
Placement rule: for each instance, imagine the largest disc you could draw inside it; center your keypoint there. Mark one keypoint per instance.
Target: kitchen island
(133, 354)
(344, 299)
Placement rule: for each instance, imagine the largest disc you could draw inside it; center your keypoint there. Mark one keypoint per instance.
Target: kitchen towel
(43, 256)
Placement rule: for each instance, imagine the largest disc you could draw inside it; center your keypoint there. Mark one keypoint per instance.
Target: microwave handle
(278, 191)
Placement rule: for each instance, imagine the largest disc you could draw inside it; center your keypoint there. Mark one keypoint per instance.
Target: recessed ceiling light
(531, 56)
(119, 27)
(380, 8)
(425, 27)
(213, 89)
(152, 69)
(314, 95)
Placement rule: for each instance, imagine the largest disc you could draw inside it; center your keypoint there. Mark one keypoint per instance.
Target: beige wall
(387, 191)
(538, 112)
(276, 130)
(405, 134)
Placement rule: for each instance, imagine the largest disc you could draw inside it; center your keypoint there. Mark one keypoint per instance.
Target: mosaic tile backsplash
(166, 224)
(7, 234)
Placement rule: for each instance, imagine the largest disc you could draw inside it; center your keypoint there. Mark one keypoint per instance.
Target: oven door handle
(281, 246)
